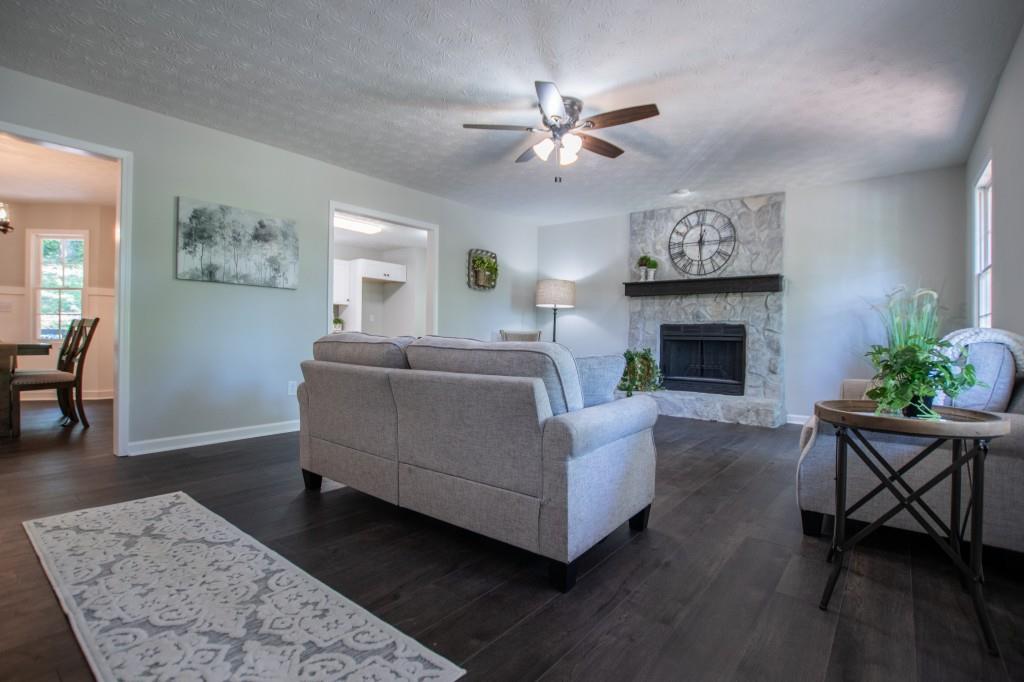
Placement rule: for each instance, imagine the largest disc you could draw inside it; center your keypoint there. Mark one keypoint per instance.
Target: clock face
(702, 242)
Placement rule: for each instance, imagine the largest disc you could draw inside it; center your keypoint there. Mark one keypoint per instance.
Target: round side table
(968, 431)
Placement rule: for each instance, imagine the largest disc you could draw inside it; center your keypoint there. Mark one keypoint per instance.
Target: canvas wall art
(218, 243)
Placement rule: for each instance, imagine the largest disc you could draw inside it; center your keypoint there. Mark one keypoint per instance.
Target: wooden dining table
(9, 353)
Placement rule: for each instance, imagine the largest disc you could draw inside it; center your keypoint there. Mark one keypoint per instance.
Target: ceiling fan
(561, 121)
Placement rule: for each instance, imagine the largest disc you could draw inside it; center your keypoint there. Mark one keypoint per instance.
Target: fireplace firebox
(706, 358)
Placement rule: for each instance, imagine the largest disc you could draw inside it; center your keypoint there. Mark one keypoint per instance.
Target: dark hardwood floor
(723, 585)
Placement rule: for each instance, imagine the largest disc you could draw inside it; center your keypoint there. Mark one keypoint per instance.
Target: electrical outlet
(293, 387)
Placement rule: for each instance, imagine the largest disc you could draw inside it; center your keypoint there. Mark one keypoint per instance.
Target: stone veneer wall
(759, 231)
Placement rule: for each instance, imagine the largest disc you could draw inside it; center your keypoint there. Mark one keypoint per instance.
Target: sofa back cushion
(486, 429)
(357, 348)
(996, 371)
(551, 363)
(351, 406)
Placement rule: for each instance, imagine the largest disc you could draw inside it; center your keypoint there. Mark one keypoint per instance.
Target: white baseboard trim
(799, 419)
(40, 396)
(191, 440)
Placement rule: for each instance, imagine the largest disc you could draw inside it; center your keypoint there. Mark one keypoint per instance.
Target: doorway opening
(61, 269)
(383, 274)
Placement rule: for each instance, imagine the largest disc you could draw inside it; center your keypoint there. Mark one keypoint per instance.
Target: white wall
(1001, 139)
(405, 305)
(845, 247)
(99, 301)
(593, 253)
(207, 357)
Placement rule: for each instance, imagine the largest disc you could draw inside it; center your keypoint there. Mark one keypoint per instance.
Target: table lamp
(555, 294)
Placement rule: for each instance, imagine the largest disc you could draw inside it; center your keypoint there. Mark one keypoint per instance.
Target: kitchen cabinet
(342, 282)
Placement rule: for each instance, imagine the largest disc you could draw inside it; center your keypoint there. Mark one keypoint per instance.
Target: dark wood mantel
(713, 285)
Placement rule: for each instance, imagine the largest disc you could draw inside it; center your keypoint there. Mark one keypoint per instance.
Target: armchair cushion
(599, 375)
(996, 375)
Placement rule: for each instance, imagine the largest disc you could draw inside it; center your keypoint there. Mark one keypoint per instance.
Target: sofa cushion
(551, 363)
(357, 348)
(996, 370)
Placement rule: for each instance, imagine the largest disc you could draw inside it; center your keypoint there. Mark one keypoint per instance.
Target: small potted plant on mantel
(339, 325)
(915, 365)
(648, 268)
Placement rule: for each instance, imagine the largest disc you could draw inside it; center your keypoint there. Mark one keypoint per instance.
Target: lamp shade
(556, 293)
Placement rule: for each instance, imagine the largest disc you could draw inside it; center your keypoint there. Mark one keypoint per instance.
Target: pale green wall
(206, 357)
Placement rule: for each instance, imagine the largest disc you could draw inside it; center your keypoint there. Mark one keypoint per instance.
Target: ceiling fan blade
(490, 126)
(620, 116)
(550, 100)
(528, 155)
(599, 146)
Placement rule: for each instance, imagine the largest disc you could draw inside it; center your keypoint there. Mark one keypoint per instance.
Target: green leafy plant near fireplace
(641, 373)
(915, 365)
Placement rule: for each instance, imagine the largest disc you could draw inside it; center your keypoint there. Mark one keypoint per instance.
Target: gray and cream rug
(164, 589)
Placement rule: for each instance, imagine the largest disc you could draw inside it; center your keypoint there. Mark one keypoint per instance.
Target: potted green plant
(339, 325)
(485, 270)
(652, 268)
(915, 364)
(646, 264)
(641, 372)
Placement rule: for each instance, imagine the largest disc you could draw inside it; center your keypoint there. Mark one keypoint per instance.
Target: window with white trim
(983, 249)
(58, 271)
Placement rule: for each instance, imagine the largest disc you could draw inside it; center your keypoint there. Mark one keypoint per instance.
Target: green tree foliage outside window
(61, 280)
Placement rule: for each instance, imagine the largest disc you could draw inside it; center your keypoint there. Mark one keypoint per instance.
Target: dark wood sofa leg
(562, 576)
(312, 481)
(639, 520)
(812, 522)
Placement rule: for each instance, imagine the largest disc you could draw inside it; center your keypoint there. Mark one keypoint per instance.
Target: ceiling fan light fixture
(565, 158)
(354, 224)
(572, 143)
(544, 148)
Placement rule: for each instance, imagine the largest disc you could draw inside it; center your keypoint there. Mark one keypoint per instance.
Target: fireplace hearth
(704, 358)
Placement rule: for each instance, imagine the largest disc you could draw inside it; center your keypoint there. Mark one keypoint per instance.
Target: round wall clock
(702, 242)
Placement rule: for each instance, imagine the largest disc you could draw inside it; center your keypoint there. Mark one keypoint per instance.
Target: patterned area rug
(164, 589)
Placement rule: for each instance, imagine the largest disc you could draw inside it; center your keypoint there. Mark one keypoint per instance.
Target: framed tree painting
(218, 243)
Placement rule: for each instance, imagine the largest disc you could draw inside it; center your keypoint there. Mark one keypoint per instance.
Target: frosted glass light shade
(556, 293)
(544, 148)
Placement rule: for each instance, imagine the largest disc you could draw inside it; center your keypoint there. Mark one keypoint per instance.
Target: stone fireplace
(720, 353)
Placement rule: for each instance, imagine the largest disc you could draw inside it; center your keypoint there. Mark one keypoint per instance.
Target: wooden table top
(34, 348)
(956, 422)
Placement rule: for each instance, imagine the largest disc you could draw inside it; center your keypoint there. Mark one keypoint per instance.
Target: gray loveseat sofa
(517, 441)
(999, 368)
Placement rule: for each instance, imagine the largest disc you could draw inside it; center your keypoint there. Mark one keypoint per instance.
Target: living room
(802, 161)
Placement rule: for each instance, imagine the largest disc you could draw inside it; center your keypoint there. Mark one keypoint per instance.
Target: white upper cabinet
(342, 286)
(380, 270)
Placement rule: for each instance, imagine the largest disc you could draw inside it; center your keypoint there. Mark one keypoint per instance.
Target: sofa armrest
(599, 375)
(1012, 444)
(854, 389)
(576, 433)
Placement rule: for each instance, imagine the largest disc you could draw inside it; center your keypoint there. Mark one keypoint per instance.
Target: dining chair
(66, 379)
(529, 335)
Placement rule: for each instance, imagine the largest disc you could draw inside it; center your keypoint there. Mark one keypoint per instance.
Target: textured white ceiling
(31, 172)
(755, 95)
